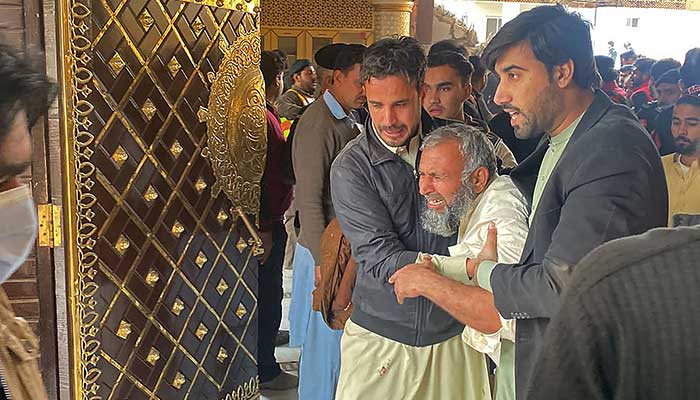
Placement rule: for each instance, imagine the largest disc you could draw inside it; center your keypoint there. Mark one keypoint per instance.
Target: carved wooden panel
(164, 282)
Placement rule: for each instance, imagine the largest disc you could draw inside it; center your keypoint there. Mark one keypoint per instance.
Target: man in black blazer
(595, 176)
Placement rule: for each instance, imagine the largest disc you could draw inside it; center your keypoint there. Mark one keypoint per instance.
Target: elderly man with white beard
(463, 193)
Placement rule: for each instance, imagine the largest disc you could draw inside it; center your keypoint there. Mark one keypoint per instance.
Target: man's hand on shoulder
(488, 253)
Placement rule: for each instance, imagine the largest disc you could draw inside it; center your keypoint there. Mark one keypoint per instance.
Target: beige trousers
(373, 367)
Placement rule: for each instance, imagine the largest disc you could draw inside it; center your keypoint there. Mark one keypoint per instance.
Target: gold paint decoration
(177, 229)
(222, 217)
(222, 355)
(116, 63)
(197, 26)
(174, 66)
(124, 330)
(152, 277)
(150, 194)
(241, 311)
(146, 20)
(201, 331)
(221, 287)
(179, 380)
(82, 230)
(153, 356)
(148, 109)
(176, 149)
(122, 245)
(241, 245)
(247, 391)
(201, 259)
(178, 306)
(86, 300)
(120, 156)
(249, 6)
(236, 128)
(200, 185)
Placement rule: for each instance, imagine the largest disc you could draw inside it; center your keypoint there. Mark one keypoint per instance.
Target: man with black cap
(322, 132)
(668, 91)
(293, 102)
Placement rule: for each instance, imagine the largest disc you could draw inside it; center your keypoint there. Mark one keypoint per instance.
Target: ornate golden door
(163, 277)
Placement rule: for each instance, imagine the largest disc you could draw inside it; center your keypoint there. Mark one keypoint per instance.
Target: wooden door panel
(168, 308)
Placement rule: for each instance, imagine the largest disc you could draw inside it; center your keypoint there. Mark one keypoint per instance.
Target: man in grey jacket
(596, 175)
(391, 350)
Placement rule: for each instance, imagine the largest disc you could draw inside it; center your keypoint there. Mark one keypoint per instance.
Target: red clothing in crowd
(643, 88)
(615, 92)
(276, 196)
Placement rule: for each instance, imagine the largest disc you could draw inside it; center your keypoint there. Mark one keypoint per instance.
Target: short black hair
(628, 54)
(670, 76)
(271, 65)
(455, 60)
(662, 66)
(688, 99)
(448, 45)
(606, 68)
(555, 35)
(395, 56)
(479, 67)
(283, 56)
(644, 65)
(22, 88)
(690, 71)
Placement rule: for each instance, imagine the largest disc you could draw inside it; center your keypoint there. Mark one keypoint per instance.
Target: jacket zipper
(3, 383)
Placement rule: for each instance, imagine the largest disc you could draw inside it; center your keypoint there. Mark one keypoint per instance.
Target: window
(632, 22)
(288, 44)
(317, 43)
(493, 25)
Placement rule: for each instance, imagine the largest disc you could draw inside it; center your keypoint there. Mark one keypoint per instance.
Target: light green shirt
(557, 145)
(505, 374)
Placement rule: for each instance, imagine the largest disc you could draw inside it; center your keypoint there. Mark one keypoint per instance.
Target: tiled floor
(286, 356)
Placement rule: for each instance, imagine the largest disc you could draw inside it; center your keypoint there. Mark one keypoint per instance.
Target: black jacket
(376, 198)
(609, 183)
(628, 325)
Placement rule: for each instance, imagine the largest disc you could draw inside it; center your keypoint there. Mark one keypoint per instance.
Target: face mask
(18, 229)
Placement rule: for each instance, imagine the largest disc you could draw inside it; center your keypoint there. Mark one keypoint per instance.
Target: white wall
(660, 34)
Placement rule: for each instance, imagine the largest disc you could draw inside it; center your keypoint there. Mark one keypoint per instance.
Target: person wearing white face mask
(25, 95)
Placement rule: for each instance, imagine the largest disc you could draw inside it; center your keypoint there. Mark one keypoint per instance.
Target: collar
(566, 134)
(305, 98)
(379, 151)
(464, 221)
(677, 160)
(333, 105)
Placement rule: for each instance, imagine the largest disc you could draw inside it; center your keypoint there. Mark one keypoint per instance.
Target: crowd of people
(541, 250)
(444, 250)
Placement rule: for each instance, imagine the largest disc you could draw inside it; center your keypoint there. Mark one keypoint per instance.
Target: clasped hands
(411, 280)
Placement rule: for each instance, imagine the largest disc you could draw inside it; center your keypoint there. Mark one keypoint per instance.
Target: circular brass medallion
(236, 124)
